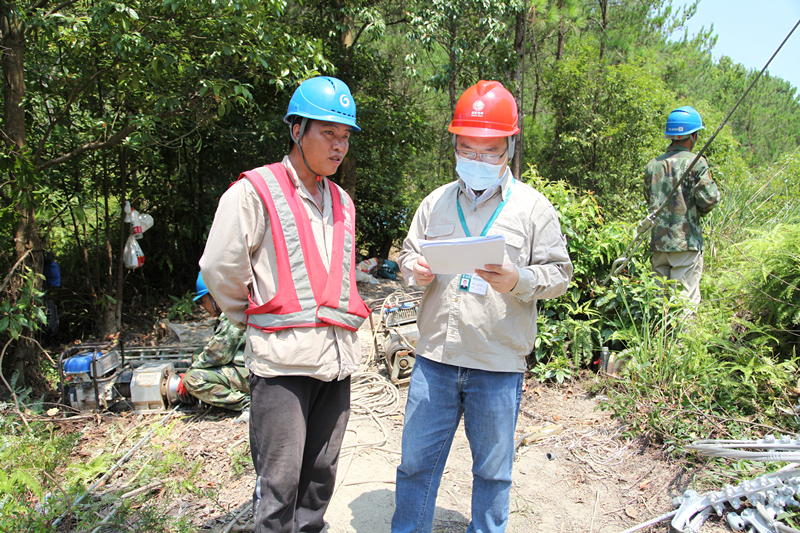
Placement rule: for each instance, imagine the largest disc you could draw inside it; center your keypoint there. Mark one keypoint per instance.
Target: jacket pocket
(515, 244)
(439, 231)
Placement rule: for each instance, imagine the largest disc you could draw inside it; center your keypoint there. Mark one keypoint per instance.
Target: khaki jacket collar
(500, 187)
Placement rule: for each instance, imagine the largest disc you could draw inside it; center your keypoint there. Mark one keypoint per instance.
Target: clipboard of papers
(463, 256)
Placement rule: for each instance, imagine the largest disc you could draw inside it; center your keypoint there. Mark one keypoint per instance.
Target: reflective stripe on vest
(307, 294)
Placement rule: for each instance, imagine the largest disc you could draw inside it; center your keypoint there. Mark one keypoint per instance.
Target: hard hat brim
(338, 119)
(199, 295)
(472, 131)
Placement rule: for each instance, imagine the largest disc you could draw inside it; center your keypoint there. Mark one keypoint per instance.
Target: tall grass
(752, 200)
(730, 370)
(700, 376)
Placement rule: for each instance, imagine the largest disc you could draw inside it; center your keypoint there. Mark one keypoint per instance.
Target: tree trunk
(451, 87)
(348, 175)
(27, 245)
(519, 76)
(111, 314)
(604, 25)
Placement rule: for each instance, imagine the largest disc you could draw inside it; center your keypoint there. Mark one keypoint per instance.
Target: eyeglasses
(492, 159)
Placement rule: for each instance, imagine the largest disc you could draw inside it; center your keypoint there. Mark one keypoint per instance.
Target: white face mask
(478, 175)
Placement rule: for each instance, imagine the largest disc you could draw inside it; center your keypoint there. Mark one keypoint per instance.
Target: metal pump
(95, 377)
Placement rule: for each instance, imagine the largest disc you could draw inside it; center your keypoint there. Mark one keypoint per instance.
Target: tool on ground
(770, 448)
(756, 503)
(647, 224)
(95, 377)
(395, 333)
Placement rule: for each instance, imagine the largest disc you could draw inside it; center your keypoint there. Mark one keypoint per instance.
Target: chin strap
(300, 146)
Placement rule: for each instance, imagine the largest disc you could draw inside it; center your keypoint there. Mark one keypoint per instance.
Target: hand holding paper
(502, 278)
(463, 256)
(422, 273)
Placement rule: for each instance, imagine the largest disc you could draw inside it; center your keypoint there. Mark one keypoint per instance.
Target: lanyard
(494, 216)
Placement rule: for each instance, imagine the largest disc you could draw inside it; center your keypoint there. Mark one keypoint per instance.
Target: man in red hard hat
(476, 328)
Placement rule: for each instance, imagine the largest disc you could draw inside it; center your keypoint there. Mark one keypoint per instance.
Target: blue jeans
(437, 397)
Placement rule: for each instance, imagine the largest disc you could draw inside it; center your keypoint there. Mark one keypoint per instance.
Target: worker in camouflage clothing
(218, 376)
(677, 237)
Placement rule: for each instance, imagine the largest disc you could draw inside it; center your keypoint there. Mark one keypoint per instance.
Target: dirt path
(585, 477)
(595, 482)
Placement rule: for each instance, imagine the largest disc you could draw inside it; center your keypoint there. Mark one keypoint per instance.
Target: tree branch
(5, 282)
(60, 6)
(98, 145)
(72, 97)
(13, 394)
(38, 5)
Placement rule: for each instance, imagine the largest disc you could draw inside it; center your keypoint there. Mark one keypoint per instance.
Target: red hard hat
(486, 109)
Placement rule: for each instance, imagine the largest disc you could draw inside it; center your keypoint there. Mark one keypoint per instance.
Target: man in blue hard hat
(676, 240)
(218, 376)
(280, 260)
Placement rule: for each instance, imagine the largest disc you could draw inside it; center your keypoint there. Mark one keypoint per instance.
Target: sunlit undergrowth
(728, 369)
(707, 376)
(43, 477)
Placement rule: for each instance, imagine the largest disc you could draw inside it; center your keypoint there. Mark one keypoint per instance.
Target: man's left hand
(501, 278)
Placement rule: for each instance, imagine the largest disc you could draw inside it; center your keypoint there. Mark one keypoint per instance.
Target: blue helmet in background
(323, 98)
(202, 290)
(683, 121)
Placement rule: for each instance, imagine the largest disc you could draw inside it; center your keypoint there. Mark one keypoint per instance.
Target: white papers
(463, 256)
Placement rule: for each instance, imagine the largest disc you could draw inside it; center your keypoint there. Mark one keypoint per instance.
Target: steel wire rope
(647, 224)
(373, 396)
(738, 449)
(589, 446)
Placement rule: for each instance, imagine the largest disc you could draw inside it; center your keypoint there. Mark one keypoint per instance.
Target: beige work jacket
(493, 332)
(239, 261)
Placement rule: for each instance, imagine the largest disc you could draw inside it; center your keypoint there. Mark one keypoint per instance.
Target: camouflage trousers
(226, 386)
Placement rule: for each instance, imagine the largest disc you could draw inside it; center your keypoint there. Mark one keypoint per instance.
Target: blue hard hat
(323, 98)
(683, 121)
(202, 290)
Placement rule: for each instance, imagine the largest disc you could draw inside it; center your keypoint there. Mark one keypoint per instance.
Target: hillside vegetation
(163, 103)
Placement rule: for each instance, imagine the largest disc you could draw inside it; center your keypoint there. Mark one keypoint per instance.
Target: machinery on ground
(395, 333)
(95, 377)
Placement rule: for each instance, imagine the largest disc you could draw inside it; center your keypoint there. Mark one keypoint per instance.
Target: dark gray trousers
(296, 429)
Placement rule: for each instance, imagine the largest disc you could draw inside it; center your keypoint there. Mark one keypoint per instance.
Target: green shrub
(181, 307)
(762, 274)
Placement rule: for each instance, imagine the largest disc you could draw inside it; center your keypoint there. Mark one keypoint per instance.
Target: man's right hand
(422, 273)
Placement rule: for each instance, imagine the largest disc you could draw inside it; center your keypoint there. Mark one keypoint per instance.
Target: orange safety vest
(308, 295)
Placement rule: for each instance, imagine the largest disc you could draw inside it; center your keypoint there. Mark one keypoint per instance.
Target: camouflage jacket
(227, 346)
(677, 228)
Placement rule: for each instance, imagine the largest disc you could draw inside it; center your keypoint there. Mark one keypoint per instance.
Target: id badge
(473, 283)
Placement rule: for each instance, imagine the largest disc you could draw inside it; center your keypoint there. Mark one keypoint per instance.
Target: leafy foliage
(765, 270)
(688, 380)
(609, 122)
(26, 312)
(30, 459)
